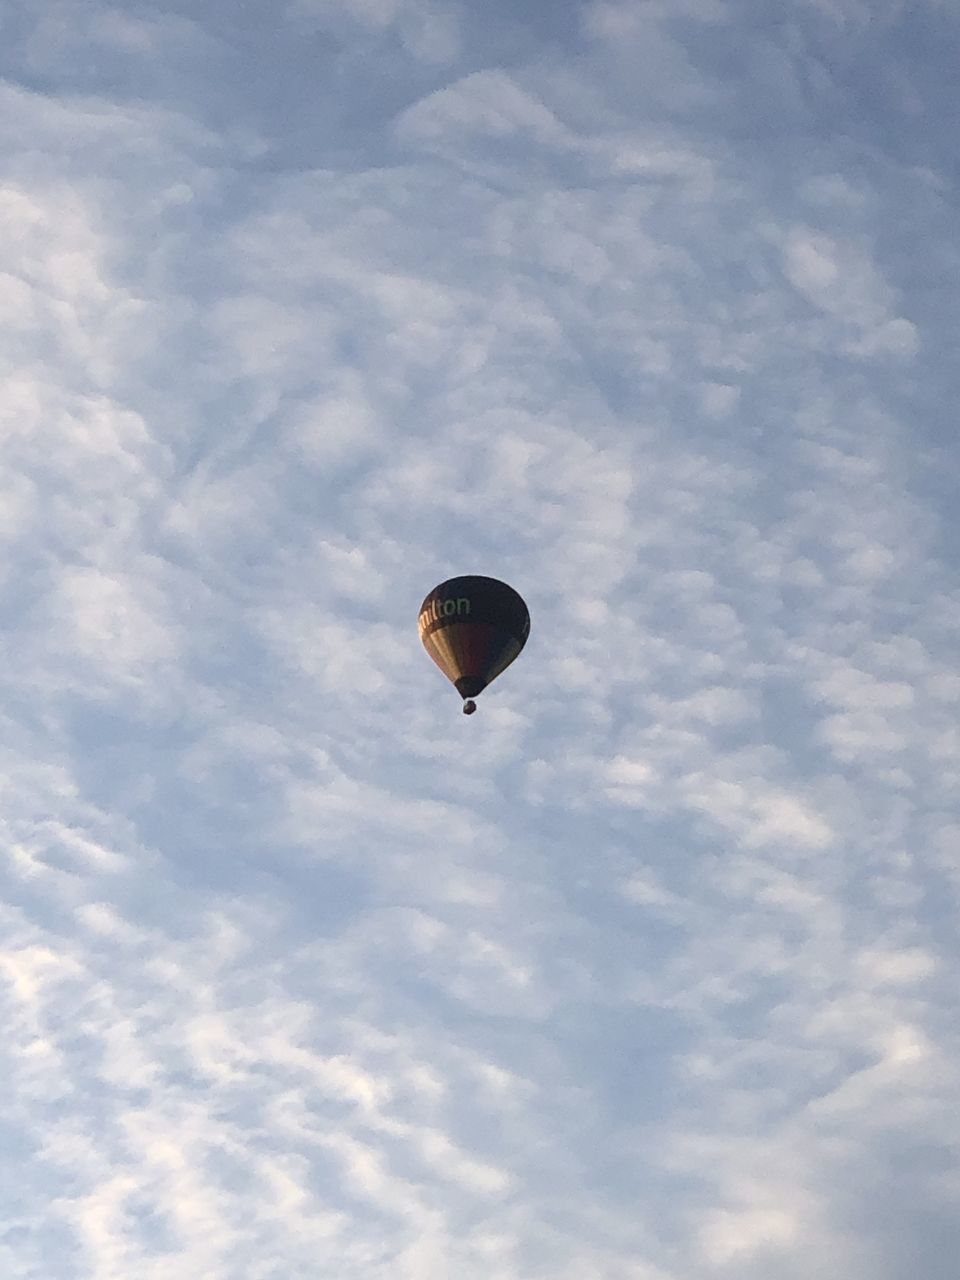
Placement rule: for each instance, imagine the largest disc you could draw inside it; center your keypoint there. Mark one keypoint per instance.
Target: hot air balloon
(473, 628)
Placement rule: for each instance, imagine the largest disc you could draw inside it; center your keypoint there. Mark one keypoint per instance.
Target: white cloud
(728, 1236)
(644, 971)
(488, 103)
(428, 32)
(842, 280)
(103, 620)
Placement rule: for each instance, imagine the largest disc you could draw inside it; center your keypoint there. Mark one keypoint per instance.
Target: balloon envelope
(473, 628)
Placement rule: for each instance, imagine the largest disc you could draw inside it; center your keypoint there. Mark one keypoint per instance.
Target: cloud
(645, 970)
(842, 281)
(427, 32)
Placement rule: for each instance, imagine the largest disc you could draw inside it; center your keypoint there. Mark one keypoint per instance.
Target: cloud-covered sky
(648, 971)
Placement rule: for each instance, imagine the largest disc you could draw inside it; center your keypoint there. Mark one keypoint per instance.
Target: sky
(648, 970)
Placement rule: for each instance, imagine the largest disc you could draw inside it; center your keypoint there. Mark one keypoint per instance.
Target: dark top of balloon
(474, 598)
